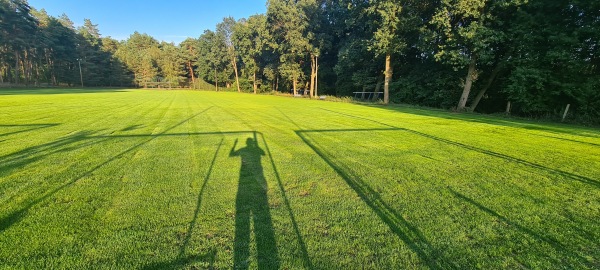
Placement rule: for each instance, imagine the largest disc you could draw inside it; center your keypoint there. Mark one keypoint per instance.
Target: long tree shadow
(29, 155)
(546, 126)
(407, 232)
(27, 128)
(252, 206)
(570, 140)
(403, 229)
(568, 175)
(15, 216)
(133, 127)
(559, 247)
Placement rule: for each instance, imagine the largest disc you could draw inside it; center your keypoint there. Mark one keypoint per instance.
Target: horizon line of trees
(532, 57)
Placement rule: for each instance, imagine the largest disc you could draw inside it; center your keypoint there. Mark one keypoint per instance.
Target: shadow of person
(252, 205)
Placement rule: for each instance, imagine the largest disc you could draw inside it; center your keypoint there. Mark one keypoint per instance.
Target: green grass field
(185, 179)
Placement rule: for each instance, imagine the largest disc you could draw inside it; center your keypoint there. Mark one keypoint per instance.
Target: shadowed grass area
(184, 179)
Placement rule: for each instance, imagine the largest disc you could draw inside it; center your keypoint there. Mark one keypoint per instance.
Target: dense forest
(532, 57)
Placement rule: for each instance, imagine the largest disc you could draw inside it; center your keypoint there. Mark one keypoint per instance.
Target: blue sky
(171, 21)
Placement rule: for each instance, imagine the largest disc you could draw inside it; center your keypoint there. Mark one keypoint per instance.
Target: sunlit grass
(184, 179)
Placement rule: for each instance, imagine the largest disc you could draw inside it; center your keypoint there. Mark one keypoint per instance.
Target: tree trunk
(235, 69)
(16, 67)
(467, 89)
(51, 67)
(30, 78)
(216, 81)
(53, 73)
(388, 78)
(485, 88)
(8, 73)
(565, 114)
(306, 87)
(254, 86)
(316, 75)
(38, 76)
(378, 87)
(191, 72)
(25, 67)
(313, 68)
(294, 85)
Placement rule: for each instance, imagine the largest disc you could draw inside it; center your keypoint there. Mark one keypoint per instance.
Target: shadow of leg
(265, 235)
(241, 249)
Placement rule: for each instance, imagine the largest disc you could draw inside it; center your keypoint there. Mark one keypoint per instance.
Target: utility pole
(80, 73)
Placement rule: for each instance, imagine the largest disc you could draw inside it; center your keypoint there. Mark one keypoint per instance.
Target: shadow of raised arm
(232, 152)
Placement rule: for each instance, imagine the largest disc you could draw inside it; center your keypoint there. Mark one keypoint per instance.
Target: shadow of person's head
(251, 142)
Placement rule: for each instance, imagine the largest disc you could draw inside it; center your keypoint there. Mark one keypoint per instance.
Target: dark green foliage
(38, 49)
(556, 59)
(428, 84)
(213, 62)
(538, 55)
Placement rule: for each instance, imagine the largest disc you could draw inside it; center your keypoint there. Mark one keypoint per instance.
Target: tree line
(531, 57)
